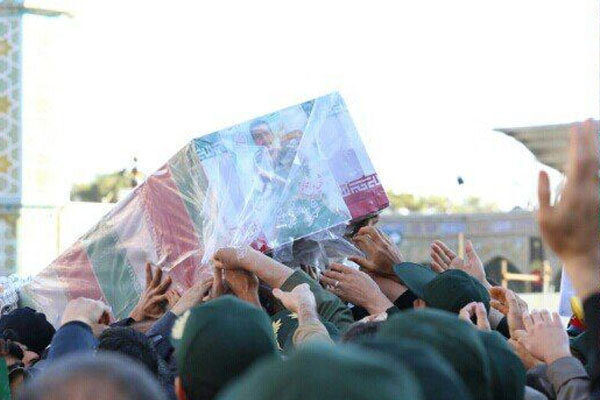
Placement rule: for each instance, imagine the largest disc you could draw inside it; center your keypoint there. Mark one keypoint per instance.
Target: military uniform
(333, 312)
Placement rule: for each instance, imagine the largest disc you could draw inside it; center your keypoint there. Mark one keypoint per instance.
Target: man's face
(262, 135)
(29, 357)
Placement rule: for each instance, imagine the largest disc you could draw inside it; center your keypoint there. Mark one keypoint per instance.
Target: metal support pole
(504, 272)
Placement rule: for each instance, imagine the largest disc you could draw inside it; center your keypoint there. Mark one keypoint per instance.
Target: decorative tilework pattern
(8, 241)
(10, 113)
(10, 136)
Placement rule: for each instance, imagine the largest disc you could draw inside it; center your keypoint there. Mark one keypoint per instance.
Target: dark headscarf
(28, 327)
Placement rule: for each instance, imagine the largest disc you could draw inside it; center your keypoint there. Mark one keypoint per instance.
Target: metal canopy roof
(548, 143)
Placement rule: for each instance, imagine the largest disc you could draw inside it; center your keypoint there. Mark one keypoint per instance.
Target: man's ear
(179, 392)
(418, 303)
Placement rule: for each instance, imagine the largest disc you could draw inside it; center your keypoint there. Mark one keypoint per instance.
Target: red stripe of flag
(74, 269)
(173, 233)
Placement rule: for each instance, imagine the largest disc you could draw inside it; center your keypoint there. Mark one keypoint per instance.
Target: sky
(426, 82)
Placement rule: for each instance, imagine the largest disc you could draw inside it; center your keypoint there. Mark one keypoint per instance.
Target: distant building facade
(513, 236)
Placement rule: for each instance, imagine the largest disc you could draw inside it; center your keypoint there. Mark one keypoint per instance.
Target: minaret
(10, 131)
(11, 150)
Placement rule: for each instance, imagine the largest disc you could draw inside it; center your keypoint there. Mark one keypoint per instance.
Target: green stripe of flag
(114, 272)
(188, 173)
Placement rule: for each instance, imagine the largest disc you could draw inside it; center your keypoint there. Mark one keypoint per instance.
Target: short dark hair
(102, 376)
(28, 327)
(361, 330)
(130, 343)
(258, 122)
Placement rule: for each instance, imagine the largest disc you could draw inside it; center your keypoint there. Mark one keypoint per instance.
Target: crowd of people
(390, 329)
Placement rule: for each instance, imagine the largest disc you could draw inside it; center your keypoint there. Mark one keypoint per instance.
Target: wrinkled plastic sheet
(288, 183)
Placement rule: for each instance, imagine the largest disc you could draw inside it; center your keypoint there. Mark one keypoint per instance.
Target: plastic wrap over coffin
(267, 182)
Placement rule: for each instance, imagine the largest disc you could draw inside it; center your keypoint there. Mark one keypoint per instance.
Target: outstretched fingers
(544, 194)
(446, 250)
(482, 319)
(438, 264)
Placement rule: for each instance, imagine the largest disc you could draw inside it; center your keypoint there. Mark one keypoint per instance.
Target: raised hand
(299, 299)
(355, 287)
(382, 254)
(570, 227)
(151, 304)
(88, 311)
(313, 272)
(218, 283)
(193, 296)
(511, 305)
(173, 297)
(243, 284)
(475, 310)
(390, 287)
(443, 258)
(269, 271)
(528, 360)
(544, 337)
(231, 257)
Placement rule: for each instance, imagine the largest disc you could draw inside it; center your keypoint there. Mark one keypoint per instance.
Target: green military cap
(320, 371)
(508, 372)
(216, 341)
(453, 339)
(581, 343)
(437, 377)
(451, 290)
(582, 346)
(285, 324)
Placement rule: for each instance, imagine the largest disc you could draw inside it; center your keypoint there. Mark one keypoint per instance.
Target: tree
(405, 202)
(106, 188)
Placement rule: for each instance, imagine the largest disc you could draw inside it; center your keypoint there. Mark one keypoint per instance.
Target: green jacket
(330, 308)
